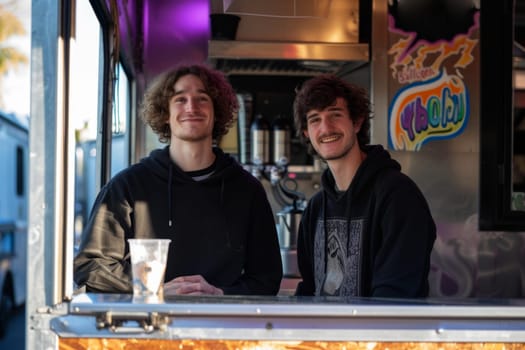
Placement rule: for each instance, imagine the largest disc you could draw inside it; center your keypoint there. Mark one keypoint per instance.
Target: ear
(358, 123)
(305, 133)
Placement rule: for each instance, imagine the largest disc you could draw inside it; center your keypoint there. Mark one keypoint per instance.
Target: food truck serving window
(62, 317)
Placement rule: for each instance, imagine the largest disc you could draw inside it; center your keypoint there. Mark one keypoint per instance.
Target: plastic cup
(148, 265)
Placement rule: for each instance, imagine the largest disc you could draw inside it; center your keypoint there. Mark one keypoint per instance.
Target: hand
(190, 285)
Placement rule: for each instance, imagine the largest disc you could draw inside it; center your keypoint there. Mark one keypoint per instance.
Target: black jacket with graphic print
(387, 218)
(222, 227)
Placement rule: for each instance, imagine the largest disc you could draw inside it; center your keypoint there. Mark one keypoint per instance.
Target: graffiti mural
(433, 42)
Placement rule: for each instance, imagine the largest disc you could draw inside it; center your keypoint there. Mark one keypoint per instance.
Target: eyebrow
(178, 92)
(328, 109)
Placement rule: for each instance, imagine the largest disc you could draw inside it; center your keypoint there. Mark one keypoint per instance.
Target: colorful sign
(434, 109)
(430, 99)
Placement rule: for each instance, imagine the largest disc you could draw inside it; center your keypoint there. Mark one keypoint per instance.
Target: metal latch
(122, 322)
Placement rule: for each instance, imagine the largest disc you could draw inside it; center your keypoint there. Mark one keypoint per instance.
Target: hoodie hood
(376, 161)
(160, 163)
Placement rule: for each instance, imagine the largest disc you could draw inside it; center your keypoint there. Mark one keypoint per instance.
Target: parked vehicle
(13, 214)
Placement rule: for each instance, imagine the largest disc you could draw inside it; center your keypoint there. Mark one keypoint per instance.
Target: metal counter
(288, 318)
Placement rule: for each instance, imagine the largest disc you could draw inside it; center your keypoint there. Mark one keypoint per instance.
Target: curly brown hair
(155, 106)
(321, 92)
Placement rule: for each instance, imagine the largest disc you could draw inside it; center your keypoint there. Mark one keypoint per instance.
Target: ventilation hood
(289, 36)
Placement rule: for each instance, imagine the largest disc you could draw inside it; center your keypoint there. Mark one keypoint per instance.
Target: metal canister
(280, 142)
(260, 141)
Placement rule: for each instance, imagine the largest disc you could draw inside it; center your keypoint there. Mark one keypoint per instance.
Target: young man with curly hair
(369, 231)
(217, 215)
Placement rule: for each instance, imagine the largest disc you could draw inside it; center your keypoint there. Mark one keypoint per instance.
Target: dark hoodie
(221, 227)
(387, 234)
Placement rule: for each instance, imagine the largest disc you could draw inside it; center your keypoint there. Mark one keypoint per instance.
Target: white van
(13, 214)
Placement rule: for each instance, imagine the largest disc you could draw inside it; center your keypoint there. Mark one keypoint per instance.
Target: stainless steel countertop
(292, 318)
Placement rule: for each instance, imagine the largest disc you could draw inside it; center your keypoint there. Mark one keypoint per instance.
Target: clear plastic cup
(148, 265)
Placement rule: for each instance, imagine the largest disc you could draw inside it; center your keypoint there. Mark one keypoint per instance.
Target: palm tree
(10, 57)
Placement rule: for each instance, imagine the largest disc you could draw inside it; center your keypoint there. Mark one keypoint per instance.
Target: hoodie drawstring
(170, 180)
(221, 202)
(221, 205)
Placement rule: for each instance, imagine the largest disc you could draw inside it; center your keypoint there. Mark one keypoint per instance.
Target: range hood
(234, 49)
(289, 37)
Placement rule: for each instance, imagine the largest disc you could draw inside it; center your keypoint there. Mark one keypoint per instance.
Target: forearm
(101, 275)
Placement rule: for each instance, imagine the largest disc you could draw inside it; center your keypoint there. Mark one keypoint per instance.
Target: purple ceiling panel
(174, 32)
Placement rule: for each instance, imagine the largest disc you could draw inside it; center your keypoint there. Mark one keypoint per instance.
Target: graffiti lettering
(435, 109)
(416, 118)
(411, 74)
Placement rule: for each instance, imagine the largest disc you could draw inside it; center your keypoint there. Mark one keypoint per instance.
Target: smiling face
(332, 133)
(191, 111)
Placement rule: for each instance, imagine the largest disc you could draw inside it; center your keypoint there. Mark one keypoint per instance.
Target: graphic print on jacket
(338, 272)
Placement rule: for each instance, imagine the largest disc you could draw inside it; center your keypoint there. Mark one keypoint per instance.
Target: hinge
(145, 322)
